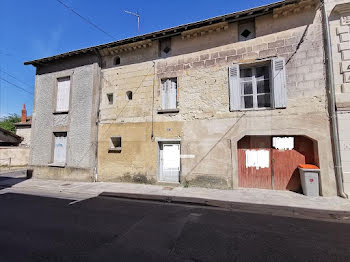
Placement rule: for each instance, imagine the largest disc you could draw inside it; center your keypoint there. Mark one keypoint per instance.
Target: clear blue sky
(40, 28)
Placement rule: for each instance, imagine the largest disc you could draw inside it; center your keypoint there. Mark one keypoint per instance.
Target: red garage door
(280, 170)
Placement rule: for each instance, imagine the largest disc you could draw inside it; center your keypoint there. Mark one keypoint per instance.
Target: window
(258, 86)
(60, 149)
(165, 47)
(246, 30)
(169, 94)
(110, 98)
(117, 60)
(129, 95)
(63, 90)
(255, 87)
(115, 144)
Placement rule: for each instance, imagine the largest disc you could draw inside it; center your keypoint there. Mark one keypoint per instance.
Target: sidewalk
(283, 203)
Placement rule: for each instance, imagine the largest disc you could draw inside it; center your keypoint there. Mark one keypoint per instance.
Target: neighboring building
(24, 127)
(339, 19)
(11, 154)
(233, 101)
(8, 138)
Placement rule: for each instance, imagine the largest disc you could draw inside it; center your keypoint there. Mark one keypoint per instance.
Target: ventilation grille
(279, 65)
(233, 71)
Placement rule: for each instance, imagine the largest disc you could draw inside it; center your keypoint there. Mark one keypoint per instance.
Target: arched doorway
(272, 162)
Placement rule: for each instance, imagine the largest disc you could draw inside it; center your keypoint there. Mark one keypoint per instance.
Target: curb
(285, 211)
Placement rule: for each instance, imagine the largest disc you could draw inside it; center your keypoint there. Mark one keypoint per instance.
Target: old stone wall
(206, 127)
(339, 20)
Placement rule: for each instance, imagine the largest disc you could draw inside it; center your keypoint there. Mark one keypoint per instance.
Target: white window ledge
(166, 111)
(57, 164)
(114, 150)
(60, 112)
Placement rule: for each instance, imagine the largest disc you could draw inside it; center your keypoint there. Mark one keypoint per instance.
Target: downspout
(98, 112)
(332, 105)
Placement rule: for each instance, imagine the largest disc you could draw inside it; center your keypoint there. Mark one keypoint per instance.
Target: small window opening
(246, 30)
(115, 144)
(129, 95)
(110, 98)
(165, 47)
(117, 60)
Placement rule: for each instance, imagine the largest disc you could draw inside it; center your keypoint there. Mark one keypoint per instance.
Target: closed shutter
(172, 94)
(234, 87)
(165, 94)
(60, 149)
(279, 83)
(63, 90)
(169, 94)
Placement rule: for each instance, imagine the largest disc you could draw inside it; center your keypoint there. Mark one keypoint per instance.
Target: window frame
(112, 148)
(54, 135)
(169, 110)
(58, 79)
(254, 81)
(110, 101)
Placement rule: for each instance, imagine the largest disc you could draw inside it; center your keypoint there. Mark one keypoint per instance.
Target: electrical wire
(86, 19)
(16, 86)
(16, 79)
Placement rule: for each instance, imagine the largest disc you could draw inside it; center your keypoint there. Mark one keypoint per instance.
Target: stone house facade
(339, 20)
(234, 101)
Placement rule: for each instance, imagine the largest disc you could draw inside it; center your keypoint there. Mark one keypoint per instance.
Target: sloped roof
(236, 16)
(9, 137)
(27, 123)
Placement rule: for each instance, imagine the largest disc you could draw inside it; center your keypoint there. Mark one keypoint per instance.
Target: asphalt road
(107, 229)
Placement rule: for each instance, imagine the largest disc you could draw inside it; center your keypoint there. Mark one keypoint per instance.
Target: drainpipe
(98, 111)
(332, 105)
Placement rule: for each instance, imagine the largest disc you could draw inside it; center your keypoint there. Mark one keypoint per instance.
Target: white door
(60, 149)
(169, 162)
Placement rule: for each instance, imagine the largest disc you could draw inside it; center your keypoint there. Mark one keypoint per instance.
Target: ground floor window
(60, 148)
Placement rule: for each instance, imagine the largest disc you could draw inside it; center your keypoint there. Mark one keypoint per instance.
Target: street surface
(34, 228)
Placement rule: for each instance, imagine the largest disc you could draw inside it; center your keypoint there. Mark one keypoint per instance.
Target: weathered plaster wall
(204, 123)
(24, 132)
(79, 123)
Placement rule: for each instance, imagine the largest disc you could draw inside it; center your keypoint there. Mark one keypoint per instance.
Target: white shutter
(234, 87)
(63, 90)
(172, 94)
(279, 83)
(60, 149)
(165, 94)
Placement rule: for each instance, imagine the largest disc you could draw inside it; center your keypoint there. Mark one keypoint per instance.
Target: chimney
(24, 114)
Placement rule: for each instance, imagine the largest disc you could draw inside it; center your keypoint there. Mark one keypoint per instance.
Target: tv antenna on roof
(138, 19)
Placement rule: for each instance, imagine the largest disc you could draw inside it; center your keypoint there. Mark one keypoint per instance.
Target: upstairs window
(169, 94)
(116, 60)
(62, 96)
(110, 98)
(165, 47)
(255, 87)
(246, 30)
(128, 95)
(259, 86)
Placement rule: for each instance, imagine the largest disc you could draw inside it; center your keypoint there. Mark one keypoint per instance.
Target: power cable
(16, 79)
(16, 86)
(86, 19)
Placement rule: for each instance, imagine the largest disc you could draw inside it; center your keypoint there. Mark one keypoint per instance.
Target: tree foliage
(8, 122)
